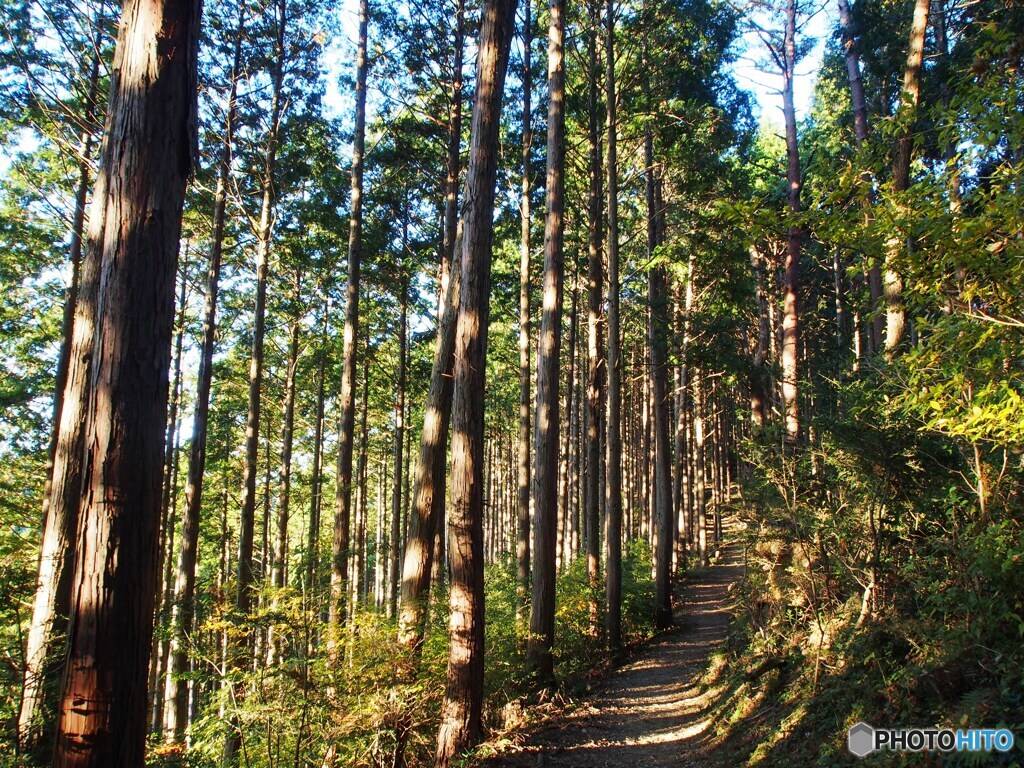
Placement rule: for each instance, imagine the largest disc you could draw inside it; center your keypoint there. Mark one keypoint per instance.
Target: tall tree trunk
(545, 448)
(316, 478)
(245, 579)
(168, 514)
(613, 483)
(453, 162)
(566, 487)
(396, 488)
(346, 437)
(595, 360)
(681, 485)
(523, 499)
(50, 604)
(759, 381)
(359, 561)
(699, 474)
(895, 315)
(657, 338)
(791, 323)
(425, 541)
(429, 486)
(136, 224)
(860, 108)
(452, 225)
(279, 560)
(686, 461)
(463, 701)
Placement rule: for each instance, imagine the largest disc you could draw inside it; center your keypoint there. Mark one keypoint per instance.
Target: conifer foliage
(343, 416)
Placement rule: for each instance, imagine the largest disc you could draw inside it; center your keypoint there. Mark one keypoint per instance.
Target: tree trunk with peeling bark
(147, 156)
(50, 605)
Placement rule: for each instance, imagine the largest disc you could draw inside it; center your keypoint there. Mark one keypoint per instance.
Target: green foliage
(875, 589)
(305, 706)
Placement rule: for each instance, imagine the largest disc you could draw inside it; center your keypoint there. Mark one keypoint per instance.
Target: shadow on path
(652, 711)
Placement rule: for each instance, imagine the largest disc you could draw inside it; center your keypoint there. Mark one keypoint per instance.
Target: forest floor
(655, 710)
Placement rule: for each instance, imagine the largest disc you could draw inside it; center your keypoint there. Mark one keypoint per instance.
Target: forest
(378, 378)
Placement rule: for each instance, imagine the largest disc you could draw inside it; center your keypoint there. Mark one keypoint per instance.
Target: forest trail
(652, 711)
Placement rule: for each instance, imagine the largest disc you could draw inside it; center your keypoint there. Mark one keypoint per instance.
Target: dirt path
(651, 712)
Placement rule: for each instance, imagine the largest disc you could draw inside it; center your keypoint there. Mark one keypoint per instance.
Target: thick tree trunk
(346, 438)
(43, 650)
(136, 223)
(463, 702)
(791, 322)
(523, 457)
(429, 486)
(613, 482)
(545, 481)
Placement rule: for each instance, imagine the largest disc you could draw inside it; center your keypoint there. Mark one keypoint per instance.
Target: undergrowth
(303, 710)
(877, 591)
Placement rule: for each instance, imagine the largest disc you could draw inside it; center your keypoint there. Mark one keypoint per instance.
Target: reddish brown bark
(462, 707)
(53, 586)
(146, 158)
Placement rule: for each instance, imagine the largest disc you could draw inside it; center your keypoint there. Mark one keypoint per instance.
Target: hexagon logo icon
(860, 739)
